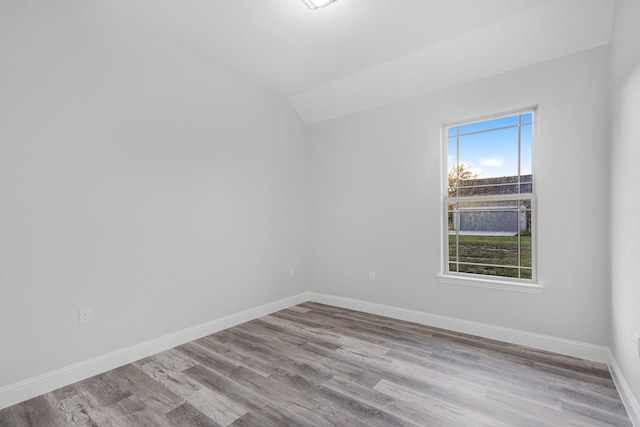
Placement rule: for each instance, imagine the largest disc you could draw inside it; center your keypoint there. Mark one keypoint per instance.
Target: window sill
(530, 288)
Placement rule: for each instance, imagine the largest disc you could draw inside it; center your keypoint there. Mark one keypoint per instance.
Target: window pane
(493, 186)
(490, 232)
(492, 154)
(451, 166)
(525, 184)
(452, 131)
(453, 268)
(497, 250)
(489, 187)
(526, 118)
(490, 271)
(525, 239)
(525, 251)
(453, 257)
(489, 161)
(490, 124)
(500, 218)
(452, 217)
(526, 154)
(452, 238)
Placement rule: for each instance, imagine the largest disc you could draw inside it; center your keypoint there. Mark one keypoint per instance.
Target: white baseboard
(514, 336)
(630, 403)
(32, 387)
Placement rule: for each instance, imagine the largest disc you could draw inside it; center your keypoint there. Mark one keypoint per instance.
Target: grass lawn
(500, 250)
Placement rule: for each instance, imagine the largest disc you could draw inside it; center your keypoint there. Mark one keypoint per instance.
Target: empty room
(319, 213)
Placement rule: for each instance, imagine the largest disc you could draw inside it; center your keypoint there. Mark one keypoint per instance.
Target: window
(489, 200)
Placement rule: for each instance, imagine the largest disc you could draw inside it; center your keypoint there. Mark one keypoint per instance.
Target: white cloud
(492, 163)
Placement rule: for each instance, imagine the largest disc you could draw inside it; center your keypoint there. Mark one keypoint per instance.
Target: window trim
(491, 283)
(477, 280)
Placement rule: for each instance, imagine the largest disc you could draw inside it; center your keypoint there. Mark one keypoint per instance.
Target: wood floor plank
(317, 365)
(214, 406)
(259, 404)
(83, 409)
(412, 413)
(188, 416)
(250, 420)
(39, 411)
(351, 411)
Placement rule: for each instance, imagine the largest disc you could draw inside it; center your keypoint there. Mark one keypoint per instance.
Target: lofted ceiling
(358, 54)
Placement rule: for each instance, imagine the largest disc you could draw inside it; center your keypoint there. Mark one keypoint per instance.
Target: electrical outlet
(291, 271)
(85, 315)
(372, 276)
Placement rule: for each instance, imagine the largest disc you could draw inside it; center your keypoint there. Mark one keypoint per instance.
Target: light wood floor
(316, 365)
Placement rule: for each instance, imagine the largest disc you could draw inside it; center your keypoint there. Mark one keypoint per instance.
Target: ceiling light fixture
(317, 4)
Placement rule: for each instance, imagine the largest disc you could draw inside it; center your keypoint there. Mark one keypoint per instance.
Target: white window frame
(478, 280)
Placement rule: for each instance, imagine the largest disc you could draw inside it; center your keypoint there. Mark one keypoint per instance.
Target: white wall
(136, 179)
(376, 201)
(164, 192)
(625, 205)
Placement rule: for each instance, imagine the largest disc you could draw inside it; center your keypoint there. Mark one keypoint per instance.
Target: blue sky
(494, 153)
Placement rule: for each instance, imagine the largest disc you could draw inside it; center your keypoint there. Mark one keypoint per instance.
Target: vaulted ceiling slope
(358, 54)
